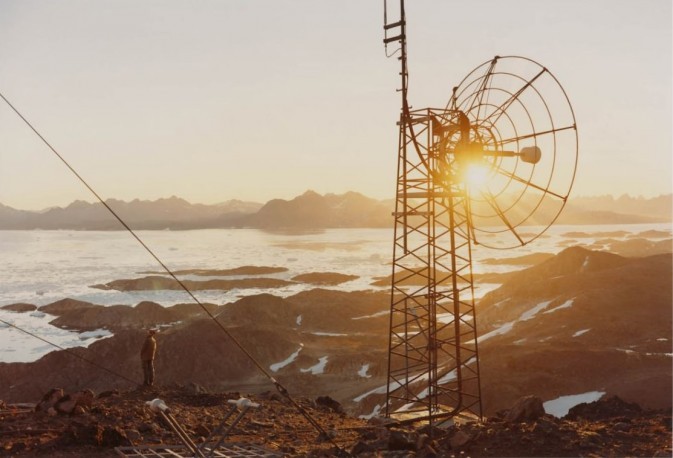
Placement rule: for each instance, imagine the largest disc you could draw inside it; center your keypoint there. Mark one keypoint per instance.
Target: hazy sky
(251, 99)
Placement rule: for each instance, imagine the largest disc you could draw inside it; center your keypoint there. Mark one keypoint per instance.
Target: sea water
(40, 267)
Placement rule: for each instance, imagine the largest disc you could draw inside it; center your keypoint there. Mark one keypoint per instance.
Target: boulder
(459, 440)
(69, 403)
(402, 440)
(195, 388)
(49, 399)
(329, 403)
(113, 436)
(527, 408)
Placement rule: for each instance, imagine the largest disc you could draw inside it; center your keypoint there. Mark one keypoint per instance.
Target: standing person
(147, 357)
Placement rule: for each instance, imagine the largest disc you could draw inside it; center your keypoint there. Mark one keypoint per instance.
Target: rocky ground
(98, 424)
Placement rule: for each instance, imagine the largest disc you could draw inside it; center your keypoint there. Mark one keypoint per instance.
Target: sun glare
(476, 175)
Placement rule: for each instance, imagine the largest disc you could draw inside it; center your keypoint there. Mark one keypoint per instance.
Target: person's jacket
(149, 348)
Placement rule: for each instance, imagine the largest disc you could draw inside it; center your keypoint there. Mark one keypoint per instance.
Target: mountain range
(307, 211)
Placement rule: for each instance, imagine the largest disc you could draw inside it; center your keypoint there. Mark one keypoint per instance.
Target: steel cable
(281, 389)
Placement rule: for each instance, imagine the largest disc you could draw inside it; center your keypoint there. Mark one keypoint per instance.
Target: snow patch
(277, 366)
(501, 303)
(583, 331)
(447, 318)
(662, 339)
(504, 329)
(565, 305)
(559, 407)
(379, 390)
(363, 371)
(534, 311)
(377, 314)
(585, 264)
(299, 318)
(318, 368)
(525, 316)
(406, 407)
(375, 412)
(328, 334)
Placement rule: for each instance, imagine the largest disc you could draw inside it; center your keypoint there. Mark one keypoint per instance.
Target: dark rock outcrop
(243, 270)
(144, 315)
(19, 307)
(156, 283)
(324, 278)
(611, 407)
(526, 409)
(66, 305)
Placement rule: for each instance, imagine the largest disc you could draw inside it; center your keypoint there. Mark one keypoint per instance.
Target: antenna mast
(400, 38)
(433, 369)
(474, 172)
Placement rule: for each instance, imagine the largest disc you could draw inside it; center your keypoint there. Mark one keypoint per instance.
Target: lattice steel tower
(473, 172)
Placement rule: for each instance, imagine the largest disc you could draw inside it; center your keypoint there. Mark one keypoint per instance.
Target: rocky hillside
(93, 425)
(581, 321)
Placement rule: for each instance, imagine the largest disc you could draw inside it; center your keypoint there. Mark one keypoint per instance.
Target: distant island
(307, 211)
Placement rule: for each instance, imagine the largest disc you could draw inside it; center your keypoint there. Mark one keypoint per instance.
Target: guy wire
(281, 389)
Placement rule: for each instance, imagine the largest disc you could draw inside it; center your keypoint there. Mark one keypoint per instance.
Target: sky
(212, 100)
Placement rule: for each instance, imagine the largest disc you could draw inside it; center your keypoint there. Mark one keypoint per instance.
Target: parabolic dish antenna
(519, 160)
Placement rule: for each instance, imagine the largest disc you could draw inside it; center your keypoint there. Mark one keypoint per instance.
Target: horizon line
(95, 201)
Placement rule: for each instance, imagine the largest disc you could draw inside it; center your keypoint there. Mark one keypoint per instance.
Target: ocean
(41, 267)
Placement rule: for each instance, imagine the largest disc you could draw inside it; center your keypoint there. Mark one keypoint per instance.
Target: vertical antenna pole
(432, 339)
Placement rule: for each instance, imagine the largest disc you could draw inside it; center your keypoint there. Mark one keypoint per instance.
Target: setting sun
(476, 175)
